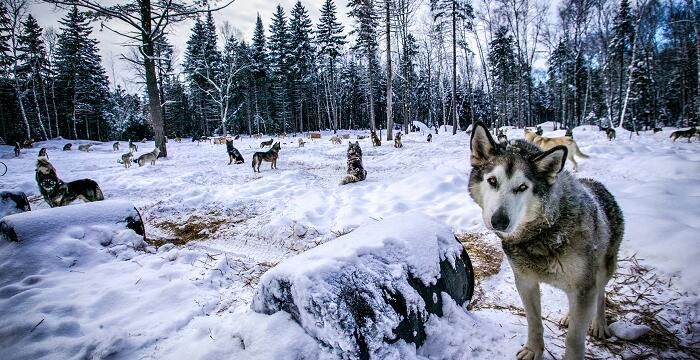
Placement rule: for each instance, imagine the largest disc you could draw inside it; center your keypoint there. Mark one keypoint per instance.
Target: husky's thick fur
(336, 139)
(18, 149)
(397, 141)
(133, 147)
(126, 159)
(67, 147)
(548, 143)
(375, 139)
(43, 153)
(356, 172)
(430, 137)
(266, 143)
(149, 156)
(56, 192)
(233, 154)
(554, 229)
(270, 156)
(115, 146)
(84, 147)
(684, 133)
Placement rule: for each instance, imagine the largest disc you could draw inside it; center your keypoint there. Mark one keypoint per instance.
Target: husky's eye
(492, 181)
(521, 188)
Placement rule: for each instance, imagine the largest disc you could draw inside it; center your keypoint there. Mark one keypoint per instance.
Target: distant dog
(270, 156)
(257, 136)
(554, 229)
(569, 133)
(548, 143)
(233, 154)
(430, 137)
(502, 138)
(84, 147)
(28, 144)
(126, 159)
(539, 131)
(611, 134)
(133, 147)
(657, 129)
(356, 172)
(266, 143)
(683, 134)
(56, 192)
(151, 157)
(178, 139)
(397, 141)
(18, 149)
(336, 140)
(67, 147)
(375, 139)
(115, 146)
(301, 142)
(43, 153)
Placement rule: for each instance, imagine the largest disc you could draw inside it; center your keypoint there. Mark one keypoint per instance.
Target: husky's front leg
(581, 304)
(529, 290)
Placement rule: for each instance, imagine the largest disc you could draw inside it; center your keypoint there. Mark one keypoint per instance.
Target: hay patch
(486, 260)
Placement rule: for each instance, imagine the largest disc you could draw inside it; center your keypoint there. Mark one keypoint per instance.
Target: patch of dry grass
(486, 260)
(185, 229)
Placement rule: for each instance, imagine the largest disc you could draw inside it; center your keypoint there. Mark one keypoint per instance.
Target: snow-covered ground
(192, 300)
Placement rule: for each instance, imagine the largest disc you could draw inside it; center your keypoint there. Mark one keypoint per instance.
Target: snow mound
(373, 287)
(421, 126)
(628, 331)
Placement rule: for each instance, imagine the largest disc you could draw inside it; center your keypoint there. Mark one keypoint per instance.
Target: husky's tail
(578, 151)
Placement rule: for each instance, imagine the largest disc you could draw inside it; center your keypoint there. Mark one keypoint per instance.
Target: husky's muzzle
(500, 220)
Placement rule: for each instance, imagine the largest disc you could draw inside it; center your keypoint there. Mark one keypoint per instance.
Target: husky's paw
(600, 331)
(527, 354)
(564, 321)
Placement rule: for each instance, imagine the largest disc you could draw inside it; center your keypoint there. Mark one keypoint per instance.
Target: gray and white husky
(149, 156)
(554, 229)
(356, 172)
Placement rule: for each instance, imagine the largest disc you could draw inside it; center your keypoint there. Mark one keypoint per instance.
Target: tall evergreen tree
(80, 76)
(279, 56)
(330, 40)
(33, 63)
(260, 72)
(301, 62)
(366, 20)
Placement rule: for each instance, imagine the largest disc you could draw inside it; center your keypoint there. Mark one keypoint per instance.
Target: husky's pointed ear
(482, 145)
(551, 162)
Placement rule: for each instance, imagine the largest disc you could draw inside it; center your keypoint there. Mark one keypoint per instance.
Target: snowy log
(33, 225)
(13, 202)
(363, 291)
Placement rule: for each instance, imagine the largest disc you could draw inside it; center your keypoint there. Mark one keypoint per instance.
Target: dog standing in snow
(554, 229)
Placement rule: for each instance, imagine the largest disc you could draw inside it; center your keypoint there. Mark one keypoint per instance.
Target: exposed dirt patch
(486, 259)
(182, 230)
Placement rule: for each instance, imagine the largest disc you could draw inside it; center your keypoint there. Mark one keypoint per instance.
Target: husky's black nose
(500, 220)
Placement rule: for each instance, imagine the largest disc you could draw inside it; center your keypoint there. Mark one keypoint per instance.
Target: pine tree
(33, 63)
(330, 40)
(279, 56)
(366, 20)
(301, 60)
(502, 60)
(260, 73)
(80, 76)
(620, 47)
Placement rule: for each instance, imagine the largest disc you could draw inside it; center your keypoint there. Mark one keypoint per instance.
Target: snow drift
(375, 286)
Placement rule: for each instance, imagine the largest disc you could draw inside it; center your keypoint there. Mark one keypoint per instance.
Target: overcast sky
(241, 15)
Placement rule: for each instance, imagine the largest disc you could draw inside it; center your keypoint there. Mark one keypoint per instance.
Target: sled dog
(356, 172)
(43, 153)
(233, 154)
(548, 143)
(133, 147)
(397, 141)
(430, 137)
(115, 146)
(301, 142)
(84, 147)
(56, 192)
(336, 140)
(683, 133)
(18, 149)
(67, 147)
(270, 156)
(266, 143)
(149, 156)
(554, 229)
(126, 159)
(375, 139)
(502, 138)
